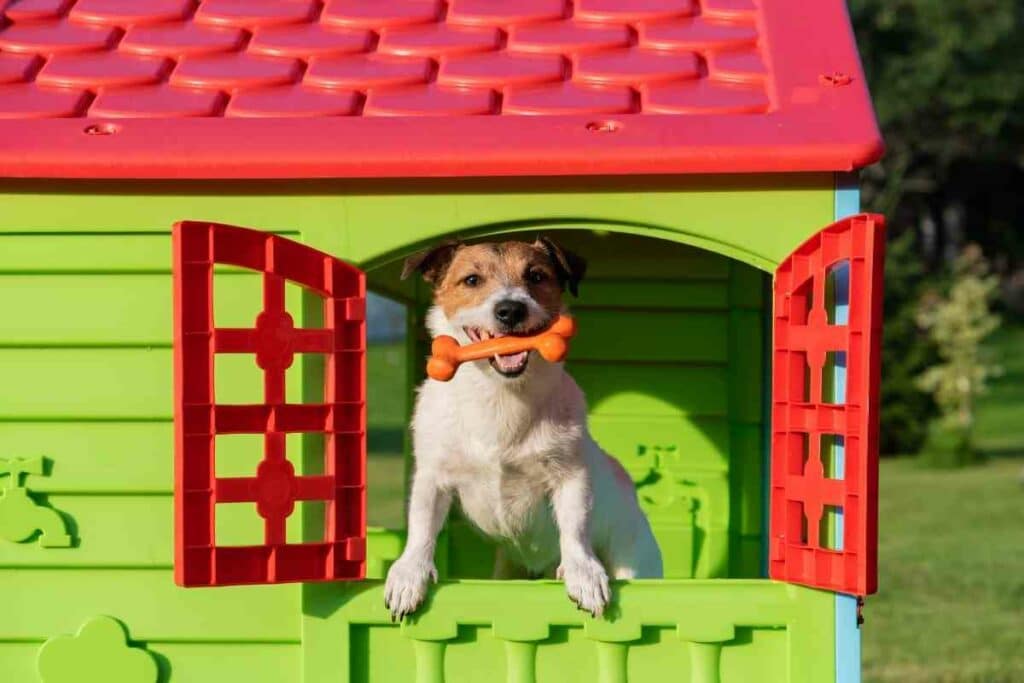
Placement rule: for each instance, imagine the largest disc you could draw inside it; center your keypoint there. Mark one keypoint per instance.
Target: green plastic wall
(85, 382)
(692, 631)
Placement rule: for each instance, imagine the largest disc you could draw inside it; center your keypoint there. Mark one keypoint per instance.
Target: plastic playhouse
(196, 195)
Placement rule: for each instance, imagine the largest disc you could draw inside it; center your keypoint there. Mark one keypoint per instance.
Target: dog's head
(497, 289)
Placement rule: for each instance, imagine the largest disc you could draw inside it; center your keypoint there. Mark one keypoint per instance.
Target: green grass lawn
(951, 553)
(999, 429)
(950, 606)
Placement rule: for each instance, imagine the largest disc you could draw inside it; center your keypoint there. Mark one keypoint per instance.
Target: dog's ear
(433, 262)
(570, 267)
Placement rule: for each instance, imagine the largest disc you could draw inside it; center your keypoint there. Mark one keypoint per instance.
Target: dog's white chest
(502, 453)
(504, 494)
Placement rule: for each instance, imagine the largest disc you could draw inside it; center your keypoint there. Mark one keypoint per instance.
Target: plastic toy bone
(552, 344)
(20, 516)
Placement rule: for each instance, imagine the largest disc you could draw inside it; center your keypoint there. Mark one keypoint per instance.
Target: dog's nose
(510, 313)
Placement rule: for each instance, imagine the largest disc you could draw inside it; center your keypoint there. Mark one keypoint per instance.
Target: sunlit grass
(999, 427)
(951, 553)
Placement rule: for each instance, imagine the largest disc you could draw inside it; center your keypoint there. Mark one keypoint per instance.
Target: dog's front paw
(406, 585)
(586, 582)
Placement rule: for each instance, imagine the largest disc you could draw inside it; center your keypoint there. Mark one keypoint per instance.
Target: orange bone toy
(552, 344)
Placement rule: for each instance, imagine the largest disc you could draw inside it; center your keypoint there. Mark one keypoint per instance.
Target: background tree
(948, 85)
(947, 80)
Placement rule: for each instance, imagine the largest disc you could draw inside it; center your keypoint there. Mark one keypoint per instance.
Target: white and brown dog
(508, 436)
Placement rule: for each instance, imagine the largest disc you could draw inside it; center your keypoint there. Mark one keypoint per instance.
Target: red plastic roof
(413, 88)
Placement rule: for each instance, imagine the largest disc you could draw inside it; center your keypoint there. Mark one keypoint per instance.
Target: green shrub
(947, 446)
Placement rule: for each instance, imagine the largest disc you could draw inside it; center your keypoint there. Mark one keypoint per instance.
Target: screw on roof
(101, 129)
(836, 79)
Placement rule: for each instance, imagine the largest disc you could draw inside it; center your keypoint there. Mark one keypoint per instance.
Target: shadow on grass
(1013, 452)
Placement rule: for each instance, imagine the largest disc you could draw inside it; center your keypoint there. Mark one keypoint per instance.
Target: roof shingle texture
(304, 58)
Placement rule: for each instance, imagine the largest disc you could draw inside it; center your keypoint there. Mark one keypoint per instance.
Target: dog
(508, 437)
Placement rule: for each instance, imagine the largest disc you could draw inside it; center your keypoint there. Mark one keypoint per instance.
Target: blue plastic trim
(840, 304)
(847, 195)
(848, 641)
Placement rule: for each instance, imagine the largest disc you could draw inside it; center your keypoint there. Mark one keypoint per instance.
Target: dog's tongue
(511, 362)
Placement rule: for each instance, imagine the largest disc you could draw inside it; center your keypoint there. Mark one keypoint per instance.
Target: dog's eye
(471, 280)
(536, 276)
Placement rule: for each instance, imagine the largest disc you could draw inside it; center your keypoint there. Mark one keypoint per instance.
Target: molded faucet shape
(21, 516)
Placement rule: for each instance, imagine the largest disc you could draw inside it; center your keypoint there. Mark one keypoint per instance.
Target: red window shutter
(812, 428)
(274, 341)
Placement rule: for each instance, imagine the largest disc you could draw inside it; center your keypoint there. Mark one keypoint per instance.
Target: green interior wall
(85, 360)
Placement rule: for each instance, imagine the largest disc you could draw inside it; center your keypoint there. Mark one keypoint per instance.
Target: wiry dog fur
(510, 442)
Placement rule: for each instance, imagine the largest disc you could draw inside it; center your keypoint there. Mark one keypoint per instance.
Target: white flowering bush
(958, 323)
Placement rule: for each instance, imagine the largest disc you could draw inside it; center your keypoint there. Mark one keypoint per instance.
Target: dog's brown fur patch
(496, 265)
